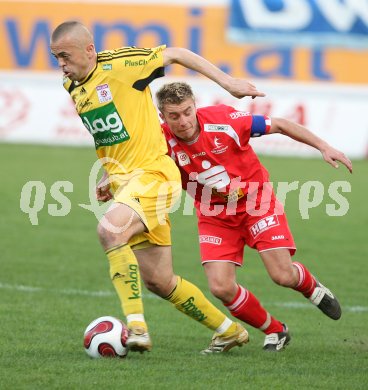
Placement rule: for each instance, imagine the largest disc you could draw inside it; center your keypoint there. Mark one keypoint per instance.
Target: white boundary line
(32, 289)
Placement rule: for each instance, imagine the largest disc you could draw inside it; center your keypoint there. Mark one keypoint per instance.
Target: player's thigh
(151, 195)
(120, 223)
(218, 242)
(160, 235)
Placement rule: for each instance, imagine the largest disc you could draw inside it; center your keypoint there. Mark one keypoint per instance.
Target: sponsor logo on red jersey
(183, 159)
(200, 154)
(213, 177)
(219, 146)
(239, 114)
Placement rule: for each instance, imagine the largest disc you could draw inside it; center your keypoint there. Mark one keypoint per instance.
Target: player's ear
(91, 50)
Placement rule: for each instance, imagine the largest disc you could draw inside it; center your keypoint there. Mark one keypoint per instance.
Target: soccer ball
(106, 337)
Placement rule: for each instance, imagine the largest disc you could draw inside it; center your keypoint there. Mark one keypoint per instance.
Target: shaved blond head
(73, 31)
(72, 46)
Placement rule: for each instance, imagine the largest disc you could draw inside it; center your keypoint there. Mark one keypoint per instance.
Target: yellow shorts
(151, 193)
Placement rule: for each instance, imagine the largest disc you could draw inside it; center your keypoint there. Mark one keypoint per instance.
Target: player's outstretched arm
(302, 134)
(236, 87)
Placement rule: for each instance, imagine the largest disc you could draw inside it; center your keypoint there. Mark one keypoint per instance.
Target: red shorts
(223, 238)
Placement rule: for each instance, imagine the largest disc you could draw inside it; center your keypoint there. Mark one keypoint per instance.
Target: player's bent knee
(102, 234)
(157, 288)
(154, 285)
(285, 280)
(221, 291)
(109, 238)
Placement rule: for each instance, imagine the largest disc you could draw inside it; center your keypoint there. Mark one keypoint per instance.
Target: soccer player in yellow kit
(111, 93)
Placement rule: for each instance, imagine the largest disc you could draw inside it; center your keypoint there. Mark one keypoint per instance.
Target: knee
(159, 286)
(153, 285)
(285, 279)
(108, 238)
(104, 235)
(222, 290)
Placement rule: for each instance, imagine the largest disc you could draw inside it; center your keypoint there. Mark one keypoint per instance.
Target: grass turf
(54, 281)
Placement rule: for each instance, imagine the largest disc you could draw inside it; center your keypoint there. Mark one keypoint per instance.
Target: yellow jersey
(115, 104)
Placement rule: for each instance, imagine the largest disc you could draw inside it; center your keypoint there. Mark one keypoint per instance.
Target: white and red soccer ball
(106, 337)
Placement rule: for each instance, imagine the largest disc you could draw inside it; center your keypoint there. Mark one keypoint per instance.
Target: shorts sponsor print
(210, 240)
(225, 239)
(264, 224)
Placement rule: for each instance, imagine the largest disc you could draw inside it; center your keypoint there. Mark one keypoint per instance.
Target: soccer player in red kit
(236, 205)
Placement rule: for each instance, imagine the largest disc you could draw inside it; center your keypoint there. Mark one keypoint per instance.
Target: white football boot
(223, 344)
(138, 340)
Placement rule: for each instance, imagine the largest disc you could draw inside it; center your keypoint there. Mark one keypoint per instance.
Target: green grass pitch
(54, 281)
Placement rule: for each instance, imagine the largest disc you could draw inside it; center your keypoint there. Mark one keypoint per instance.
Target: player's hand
(103, 193)
(241, 88)
(332, 155)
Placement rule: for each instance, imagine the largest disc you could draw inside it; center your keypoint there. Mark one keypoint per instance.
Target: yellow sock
(190, 300)
(124, 273)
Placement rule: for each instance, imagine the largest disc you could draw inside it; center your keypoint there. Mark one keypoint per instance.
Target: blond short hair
(173, 93)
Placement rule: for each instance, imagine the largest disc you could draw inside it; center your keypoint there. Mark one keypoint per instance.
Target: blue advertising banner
(26, 27)
(340, 23)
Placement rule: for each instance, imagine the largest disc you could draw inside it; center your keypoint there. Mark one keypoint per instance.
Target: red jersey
(220, 166)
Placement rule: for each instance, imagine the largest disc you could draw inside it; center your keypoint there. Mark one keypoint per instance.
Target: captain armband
(261, 125)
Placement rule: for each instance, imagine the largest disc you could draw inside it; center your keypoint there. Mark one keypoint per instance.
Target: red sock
(307, 283)
(247, 308)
